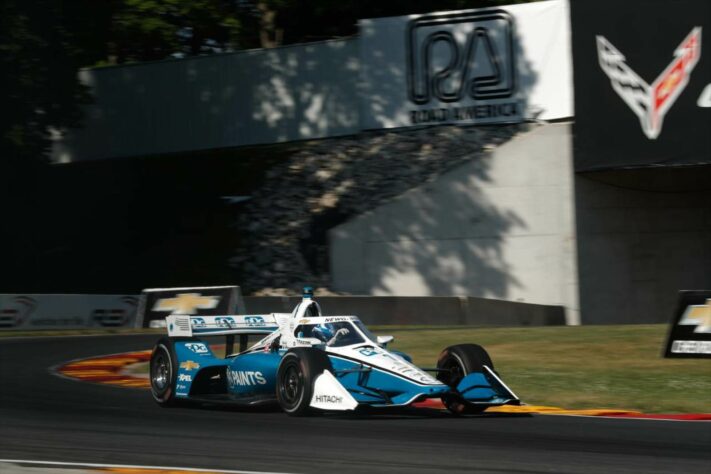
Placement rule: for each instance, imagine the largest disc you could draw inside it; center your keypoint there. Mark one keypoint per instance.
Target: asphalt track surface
(48, 418)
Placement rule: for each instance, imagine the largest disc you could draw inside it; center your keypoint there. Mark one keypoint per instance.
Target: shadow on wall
(331, 181)
(443, 240)
(446, 240)
(324, 105)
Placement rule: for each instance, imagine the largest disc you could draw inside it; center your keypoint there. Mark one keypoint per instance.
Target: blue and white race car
(307, 362)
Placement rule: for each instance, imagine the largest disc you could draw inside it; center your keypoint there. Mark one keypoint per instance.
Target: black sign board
(157, 303)
(690, 330)
(642, 76)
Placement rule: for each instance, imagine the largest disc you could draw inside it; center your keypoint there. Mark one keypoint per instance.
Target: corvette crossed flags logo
(650, 102)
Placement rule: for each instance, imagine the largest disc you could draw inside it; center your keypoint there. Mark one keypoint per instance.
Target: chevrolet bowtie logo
(699, 316)
(189, 365)
(186, 303)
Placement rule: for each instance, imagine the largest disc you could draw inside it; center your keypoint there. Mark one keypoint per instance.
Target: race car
(307, 362)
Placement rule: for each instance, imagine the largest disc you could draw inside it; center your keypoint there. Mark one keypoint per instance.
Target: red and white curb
(16, 465)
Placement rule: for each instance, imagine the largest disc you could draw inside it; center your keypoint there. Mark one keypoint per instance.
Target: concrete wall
(500, 226)
(251, 97)
(437, 310)
(637, 249)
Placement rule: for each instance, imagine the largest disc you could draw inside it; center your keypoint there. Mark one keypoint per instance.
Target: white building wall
(500, 226)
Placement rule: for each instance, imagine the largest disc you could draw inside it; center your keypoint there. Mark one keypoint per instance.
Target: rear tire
(295, 379)
(459, 361)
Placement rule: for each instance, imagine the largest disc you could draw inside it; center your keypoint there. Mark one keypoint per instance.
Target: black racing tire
(297, 372)
(459, 361)
(163, 372)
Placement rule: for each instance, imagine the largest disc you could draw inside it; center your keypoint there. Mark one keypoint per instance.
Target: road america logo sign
(462, 67)
(650, 102)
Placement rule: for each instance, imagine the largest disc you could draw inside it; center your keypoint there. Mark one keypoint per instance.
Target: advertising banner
(157, 303)
(690, 329)
(58, 311)
(475, 66)
(642, 83)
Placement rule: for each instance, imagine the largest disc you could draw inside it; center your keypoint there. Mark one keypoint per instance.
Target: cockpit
(336, 334)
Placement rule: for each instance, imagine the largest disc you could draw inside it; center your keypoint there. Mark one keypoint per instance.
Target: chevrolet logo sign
(699, 316)
(186, 303)
(189, 365)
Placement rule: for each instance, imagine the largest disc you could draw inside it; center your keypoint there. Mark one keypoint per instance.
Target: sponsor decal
(184, 378)
(255, 321)
(245, 378)
(225, 322)
(398, 365)
(338, 319)
(18, 312)
(189, 365)
(112, 317)
(186, 303)
(691, 347)
(651, 102)
(698, 316)
(198, 323)
(368, 351)
(328, 399)
(197, 347)
(690, 328)
(461, 67)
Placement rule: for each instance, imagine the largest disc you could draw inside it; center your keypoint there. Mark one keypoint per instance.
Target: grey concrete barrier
(66, 311)
(436, 310)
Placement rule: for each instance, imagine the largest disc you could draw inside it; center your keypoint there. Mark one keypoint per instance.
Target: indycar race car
(307, 362)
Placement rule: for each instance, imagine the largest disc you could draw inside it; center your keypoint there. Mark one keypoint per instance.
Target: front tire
(295, 379)
(459, 361)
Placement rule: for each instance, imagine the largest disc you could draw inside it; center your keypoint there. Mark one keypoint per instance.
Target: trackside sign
(480, 66)
(690, 330)
(66, 311)
(642, 71)
(461, 66)
(158, 303)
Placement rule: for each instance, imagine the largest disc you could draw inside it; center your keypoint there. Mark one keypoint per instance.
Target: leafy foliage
(143, 30)
(42, 44)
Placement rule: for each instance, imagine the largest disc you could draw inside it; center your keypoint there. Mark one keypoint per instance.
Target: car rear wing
(242, 324)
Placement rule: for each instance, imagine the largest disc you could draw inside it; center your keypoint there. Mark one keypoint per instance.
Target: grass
(578, 367)
(618, 367)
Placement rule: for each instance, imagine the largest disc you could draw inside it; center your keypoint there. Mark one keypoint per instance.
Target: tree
(275, 22)
(42, 45)
(145, 30)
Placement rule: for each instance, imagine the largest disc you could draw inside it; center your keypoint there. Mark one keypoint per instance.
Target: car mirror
(384, 340)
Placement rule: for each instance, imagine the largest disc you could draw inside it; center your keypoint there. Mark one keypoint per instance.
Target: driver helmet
(323, 332)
